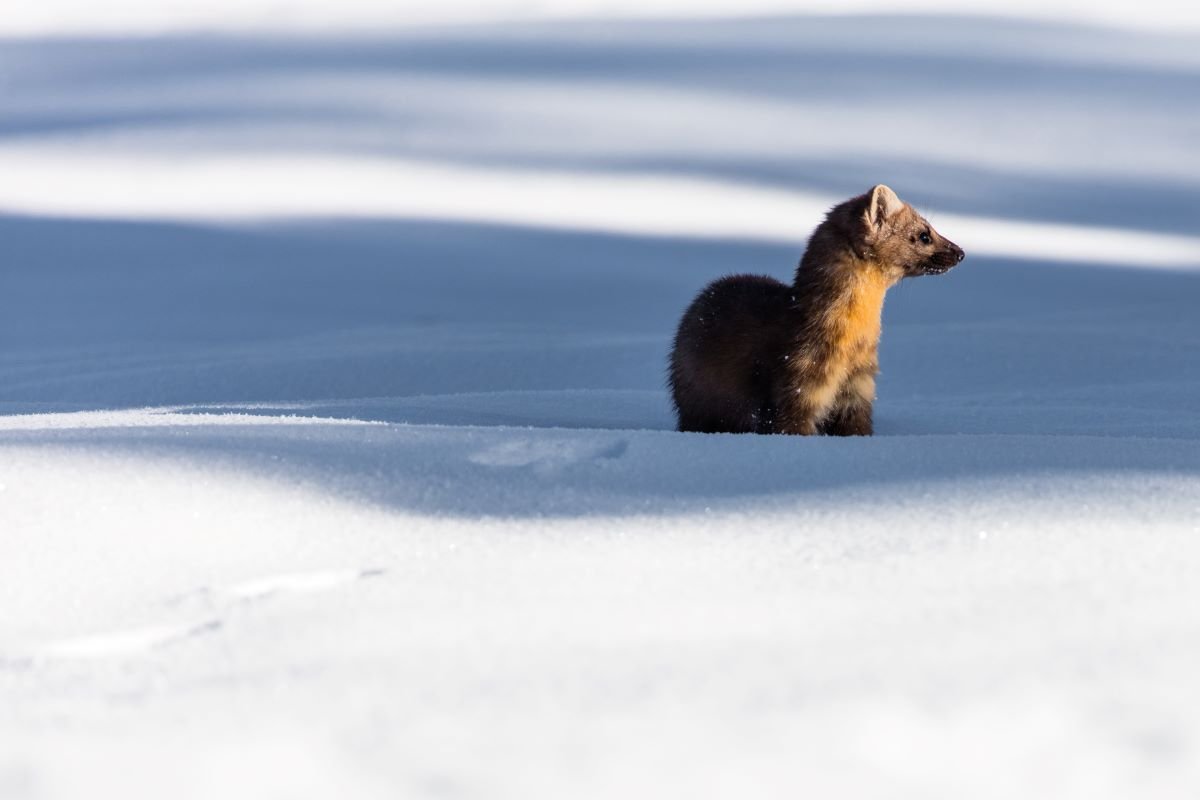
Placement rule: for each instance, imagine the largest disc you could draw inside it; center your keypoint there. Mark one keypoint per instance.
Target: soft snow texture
(336, 459)
(156, 16)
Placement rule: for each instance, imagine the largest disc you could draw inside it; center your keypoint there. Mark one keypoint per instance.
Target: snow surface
(336, 460)
(155, 16)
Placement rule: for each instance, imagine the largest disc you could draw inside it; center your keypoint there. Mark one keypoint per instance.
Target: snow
(262, 188)
(336, 458)
(151, 16)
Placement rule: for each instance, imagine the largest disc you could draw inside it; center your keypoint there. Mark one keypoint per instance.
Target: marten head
(881, 230)
(898, 238)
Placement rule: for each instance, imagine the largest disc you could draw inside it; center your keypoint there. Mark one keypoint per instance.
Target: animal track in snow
(115, 644)
(284, 583)
(258, 588)
(548, 456)
(137, 641)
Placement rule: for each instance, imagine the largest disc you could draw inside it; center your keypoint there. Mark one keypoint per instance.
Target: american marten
(754, 355)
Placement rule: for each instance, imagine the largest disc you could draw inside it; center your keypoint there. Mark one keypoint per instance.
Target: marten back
(726, 353)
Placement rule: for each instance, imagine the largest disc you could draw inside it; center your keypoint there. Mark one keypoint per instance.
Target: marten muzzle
(950, 255)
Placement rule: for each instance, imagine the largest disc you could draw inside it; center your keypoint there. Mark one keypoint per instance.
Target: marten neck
(844, 281)
(848, 289)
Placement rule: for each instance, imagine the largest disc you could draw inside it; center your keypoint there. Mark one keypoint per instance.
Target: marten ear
(882, 205)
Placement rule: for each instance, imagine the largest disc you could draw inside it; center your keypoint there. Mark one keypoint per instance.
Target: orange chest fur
(854, 320)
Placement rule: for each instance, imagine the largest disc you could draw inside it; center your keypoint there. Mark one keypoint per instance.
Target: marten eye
(925, 239)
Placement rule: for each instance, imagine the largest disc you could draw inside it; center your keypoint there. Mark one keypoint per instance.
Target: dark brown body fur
(754, 355)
